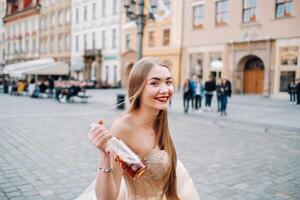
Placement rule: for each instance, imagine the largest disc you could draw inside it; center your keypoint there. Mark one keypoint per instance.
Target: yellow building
(162, 39)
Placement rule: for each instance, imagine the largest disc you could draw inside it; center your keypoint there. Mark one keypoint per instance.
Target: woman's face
(159, 88)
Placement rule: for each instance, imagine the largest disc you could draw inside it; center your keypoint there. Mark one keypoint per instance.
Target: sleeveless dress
(149, 185)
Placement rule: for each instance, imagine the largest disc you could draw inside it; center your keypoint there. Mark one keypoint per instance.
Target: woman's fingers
(96, 130)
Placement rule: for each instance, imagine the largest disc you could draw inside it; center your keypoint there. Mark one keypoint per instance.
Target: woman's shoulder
(122, 126)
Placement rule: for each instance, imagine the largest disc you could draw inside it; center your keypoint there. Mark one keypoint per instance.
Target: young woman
(144, 128)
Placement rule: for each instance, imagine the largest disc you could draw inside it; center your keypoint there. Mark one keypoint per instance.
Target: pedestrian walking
(218, 93)
(225, 92)
(292, 92)
(209, 88)
(186, 96)
(298, 92)
(199, 92)
(144, 128)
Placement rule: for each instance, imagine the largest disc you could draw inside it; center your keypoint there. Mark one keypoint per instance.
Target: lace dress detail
(149, 185)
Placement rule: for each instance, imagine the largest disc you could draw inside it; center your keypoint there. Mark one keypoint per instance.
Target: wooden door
(254, 81)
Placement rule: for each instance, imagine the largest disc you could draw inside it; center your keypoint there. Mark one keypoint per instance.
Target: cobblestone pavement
(254, 153)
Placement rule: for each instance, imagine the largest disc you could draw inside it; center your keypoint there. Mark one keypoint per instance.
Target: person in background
(192, 89)
(51, 86)
(31, 87)
(199, 92)
(292, 92)
(209, 87)
(186, 96)
(218, 87)
(225, 92)
(297, 90)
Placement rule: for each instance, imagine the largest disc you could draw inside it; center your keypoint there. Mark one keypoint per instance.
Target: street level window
(198, 16)
(285, 79)
(166, 37)
(289, 56)
(284, 8)
(221, 12)
(151, 39)
(249, 11)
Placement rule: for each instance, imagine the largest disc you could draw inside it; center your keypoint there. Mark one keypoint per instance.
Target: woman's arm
(107, 182)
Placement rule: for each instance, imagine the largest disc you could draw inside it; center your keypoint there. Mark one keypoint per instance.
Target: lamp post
(140, 19)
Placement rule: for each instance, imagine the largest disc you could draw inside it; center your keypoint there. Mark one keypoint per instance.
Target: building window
(94, 40)
(167, 4)
(114, 38)
(127, 45)
(33, 45)
(85, 13)
(221, 12)
(151, 39)
(77, 15)
(198, 16)
(94, 10)
(77, 43)
(284, 8)
(26, 46)
(114, 8)
(103, 39)
(53, 20)
(115, 74)
(106, 74)
(68, 42)
(289, 56)
(68, 18)
(249, 11)
(166, 37)
(285, 79)
(84, 41)
(103, 8)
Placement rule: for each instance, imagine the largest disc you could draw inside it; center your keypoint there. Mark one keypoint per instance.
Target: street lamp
(140, 19)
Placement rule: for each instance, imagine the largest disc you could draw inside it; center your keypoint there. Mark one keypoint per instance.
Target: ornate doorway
(254, 76)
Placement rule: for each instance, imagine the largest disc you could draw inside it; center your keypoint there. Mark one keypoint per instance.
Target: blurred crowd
(194, 91)
(61, 90)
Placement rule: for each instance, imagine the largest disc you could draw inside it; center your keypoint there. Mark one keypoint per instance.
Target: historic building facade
(162, 39)
(95, 41)
(2, 34)
(55, 36)
(22, 30)
(253, 43)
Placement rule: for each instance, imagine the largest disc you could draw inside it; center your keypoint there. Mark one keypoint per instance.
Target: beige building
(22, 30)
(162, 39)
(253, 43)
(55, 20)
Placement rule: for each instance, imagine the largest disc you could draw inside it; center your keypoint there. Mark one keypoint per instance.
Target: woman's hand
(99, 135)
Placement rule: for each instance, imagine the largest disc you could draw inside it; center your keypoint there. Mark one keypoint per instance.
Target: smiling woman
(144, 129)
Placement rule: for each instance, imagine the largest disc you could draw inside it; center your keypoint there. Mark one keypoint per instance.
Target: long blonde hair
(136, 84)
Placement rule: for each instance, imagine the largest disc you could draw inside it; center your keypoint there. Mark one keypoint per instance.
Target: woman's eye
(169, 82)
(154, 83)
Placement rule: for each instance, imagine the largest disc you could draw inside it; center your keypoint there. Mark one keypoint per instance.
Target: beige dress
(149, 185)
